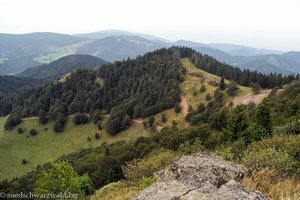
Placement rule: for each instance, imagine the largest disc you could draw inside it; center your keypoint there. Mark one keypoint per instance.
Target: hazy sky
(271, 24)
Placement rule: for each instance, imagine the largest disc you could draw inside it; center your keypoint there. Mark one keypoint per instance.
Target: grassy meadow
(47, 145)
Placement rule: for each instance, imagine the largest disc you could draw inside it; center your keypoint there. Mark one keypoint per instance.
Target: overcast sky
(271, 24)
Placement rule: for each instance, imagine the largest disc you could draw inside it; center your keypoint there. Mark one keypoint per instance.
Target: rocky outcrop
(200, 177)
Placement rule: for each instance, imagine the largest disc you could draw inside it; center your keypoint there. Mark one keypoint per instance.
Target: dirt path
(184, 105)
(256, 98)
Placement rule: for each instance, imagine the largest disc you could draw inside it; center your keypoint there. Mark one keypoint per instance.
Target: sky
(272, 24)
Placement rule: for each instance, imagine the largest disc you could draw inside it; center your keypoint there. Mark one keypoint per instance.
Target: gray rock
(200, 177)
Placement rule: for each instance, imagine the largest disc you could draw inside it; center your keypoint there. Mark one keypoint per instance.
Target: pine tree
(222, 85)
(263, 116)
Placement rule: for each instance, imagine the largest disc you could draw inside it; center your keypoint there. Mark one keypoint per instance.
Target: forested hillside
(64, 65)
(10, 87)
(133, 88)
(130, 89)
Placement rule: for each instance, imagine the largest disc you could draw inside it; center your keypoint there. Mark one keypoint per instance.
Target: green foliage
(33, 132)
(232, 89)
(222, 85)
(263, 116)
(208, 97)
(255, 88)
(254, 132)
(177, 108)
(238, 123)
(20, 130)
(151, 121)
(191, 147)
(284, 143)
(136, 170)
(203, 88)
(164, 118)
(225, 153)
(289, 128)
(61, 177)
(42, 117)
(80, 118)
(272, 159)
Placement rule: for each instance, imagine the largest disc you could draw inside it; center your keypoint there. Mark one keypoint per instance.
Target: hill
(176, 93)
(108, 33)
(21, 51)
(121, 47)
(10, 88)
(64, 65)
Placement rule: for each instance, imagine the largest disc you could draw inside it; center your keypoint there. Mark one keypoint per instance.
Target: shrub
(287, 143)
(20, 130)
(255, 88)
(190, 147)
(33, 132)
(97, 136)
(177, 108)
(80, 118)
(136, 170)
(208, 97)
(24, 161)
(232, 89)
(269, 158)
(151, 121)
(202, 88)
(289, 128)
(164, 118)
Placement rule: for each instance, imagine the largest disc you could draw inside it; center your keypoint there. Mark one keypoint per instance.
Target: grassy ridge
(48, 146)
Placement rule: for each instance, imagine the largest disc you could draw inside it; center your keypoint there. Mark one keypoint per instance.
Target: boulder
(200, 177)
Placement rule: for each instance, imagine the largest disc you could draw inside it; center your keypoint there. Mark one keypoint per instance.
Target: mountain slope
(18, 52)
(10, 87)
(109, 33)
(64, 65)
(120, 47)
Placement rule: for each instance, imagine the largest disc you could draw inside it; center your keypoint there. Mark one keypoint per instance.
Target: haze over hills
(19, 52)
(64, 65)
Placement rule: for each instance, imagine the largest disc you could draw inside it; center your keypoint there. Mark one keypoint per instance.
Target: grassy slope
(191, 86)
(48, 146)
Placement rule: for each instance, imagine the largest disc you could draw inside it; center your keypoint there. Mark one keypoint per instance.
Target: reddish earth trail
(184, 105)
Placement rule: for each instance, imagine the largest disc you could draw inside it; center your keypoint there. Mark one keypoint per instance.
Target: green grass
(47, 146)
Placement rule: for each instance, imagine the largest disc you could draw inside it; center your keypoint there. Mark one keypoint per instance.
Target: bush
(289, 128)
(287, 143)
(255, 88)
(80, 118)
(163, 118)
(20, 130)
(202, 88)
(24, 161)
(136, 170)
(208, 97)
(232, 89)
(177, 108)
(270, 158)
(97, 136)
(33, 132)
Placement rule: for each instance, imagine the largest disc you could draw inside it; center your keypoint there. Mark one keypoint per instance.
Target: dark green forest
(50, 72)
(129, 89)
(10, 88)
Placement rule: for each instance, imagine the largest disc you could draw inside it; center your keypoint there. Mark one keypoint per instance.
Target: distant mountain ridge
(19, 52)
(55, 69)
